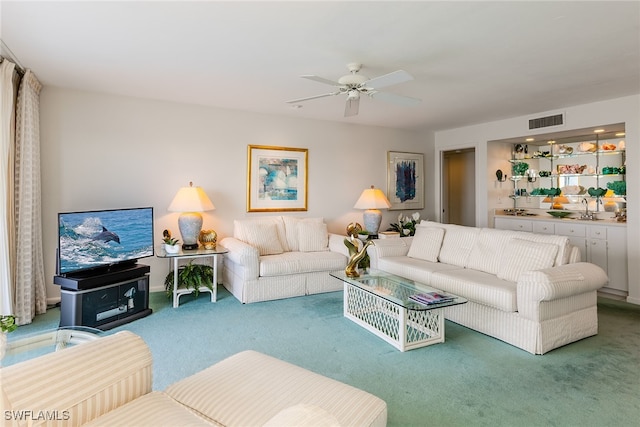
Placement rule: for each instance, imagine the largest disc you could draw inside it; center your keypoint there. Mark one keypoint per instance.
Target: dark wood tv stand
(106, 299)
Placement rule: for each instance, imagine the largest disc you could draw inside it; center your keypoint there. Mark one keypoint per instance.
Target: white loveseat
(278, 257)
(529, 290)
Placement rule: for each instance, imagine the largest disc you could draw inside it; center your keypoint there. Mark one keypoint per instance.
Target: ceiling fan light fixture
(353, 94)
(352, 79)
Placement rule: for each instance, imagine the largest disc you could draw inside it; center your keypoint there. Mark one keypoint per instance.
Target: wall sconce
(372, 200)
(190, 201)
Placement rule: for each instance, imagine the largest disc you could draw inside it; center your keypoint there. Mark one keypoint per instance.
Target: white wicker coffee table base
(403, 328)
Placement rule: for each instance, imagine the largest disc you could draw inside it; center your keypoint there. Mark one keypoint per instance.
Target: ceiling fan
(353, 85)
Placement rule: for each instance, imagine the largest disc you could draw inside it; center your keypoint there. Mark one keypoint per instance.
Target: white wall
(106, 152)
(621, 110)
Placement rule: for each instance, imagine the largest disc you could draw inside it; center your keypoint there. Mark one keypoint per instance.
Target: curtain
(30, 289)
(7, 70)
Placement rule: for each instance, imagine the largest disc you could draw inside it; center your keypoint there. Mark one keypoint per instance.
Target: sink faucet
(587, 214)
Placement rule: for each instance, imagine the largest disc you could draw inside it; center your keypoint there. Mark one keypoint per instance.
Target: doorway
(458, 187)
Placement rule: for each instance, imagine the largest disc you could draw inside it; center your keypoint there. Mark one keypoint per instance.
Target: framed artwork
(405, 180)
(276, 179)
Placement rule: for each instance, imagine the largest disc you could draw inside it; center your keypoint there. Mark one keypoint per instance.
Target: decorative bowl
(559, 214)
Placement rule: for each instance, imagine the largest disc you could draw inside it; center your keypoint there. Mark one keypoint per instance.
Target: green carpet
(470, 379)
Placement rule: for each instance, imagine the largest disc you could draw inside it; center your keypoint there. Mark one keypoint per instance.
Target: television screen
(94, 239)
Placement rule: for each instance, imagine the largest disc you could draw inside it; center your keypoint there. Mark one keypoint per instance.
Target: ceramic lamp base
(372, 219)
(190, 224)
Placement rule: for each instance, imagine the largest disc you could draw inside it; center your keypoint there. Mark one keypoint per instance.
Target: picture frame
(276, 179)
(405, 180)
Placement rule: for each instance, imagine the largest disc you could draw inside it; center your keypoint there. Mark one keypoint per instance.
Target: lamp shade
(191, 199)
(372, 198)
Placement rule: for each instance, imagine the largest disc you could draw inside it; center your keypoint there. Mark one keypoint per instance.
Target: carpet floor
(470, 379)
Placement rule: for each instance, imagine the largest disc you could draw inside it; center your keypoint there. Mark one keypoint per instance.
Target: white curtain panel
(30, 290)
(6, 187)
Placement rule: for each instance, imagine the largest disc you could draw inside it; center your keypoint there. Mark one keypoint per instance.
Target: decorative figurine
(352, 265)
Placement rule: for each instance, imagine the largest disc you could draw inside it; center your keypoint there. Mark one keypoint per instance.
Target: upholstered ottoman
(107, 382)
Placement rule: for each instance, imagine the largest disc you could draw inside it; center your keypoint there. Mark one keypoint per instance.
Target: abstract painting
(276, 179)
(405, 180)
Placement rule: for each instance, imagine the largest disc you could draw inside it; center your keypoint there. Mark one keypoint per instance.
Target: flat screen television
(93, 241)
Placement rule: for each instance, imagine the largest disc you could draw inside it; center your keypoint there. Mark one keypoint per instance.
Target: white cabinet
(602, 244)
(616, 254)
(544, 227)
(515, 224)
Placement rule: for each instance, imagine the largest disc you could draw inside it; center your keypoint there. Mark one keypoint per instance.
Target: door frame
(479, 187)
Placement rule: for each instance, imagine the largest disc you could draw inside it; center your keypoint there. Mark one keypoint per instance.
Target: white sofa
(529, 290)
(278, 257)
(107, 382)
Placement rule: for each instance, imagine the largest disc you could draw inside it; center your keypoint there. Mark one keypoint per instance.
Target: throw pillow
(523, 255)
(291, 229)
(312, 236)
(426, 243)
(241, 227)
(265, 238)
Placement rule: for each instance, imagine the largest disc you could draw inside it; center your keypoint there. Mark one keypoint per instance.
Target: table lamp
(190, 201)
(372, 200)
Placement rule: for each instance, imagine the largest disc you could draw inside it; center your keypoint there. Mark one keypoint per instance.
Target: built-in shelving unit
(575, 171)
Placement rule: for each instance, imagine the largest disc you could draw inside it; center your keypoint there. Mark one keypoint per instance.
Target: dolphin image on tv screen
(107, 236)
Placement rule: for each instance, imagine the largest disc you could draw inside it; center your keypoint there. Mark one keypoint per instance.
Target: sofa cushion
(153, 409)
(523, 255)
(426, 243)
(478, 286)
(264, 237)
(562, 242)
(300, 262)
(457, 244)
(291, 229)
(488, 250)
(253, 226)
(312, 236)
(412, 268)
(303, 415)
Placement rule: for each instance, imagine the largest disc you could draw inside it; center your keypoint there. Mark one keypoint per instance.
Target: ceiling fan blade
(293, 101)
(390, 79)
(320, 80)
(352, 107)
(395, 99)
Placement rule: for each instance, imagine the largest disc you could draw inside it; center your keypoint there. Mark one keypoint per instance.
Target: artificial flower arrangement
(406, 226)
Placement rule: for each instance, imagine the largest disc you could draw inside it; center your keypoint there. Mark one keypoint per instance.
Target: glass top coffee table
(381, 303)
(37, 344)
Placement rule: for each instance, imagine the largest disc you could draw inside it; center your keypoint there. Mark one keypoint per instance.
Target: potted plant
(7, 324)
(170, 243)
(191, 276)
(363, 235)
(406, 226)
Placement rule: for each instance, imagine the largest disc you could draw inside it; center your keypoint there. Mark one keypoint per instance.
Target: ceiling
(472, 62)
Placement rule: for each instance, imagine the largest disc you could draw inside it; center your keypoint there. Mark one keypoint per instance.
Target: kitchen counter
(542, 215)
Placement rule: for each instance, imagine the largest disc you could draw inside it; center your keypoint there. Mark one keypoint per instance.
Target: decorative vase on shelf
(208, 238)
(172, 249)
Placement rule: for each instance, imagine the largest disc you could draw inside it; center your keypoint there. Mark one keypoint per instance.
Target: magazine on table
(429, 298)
